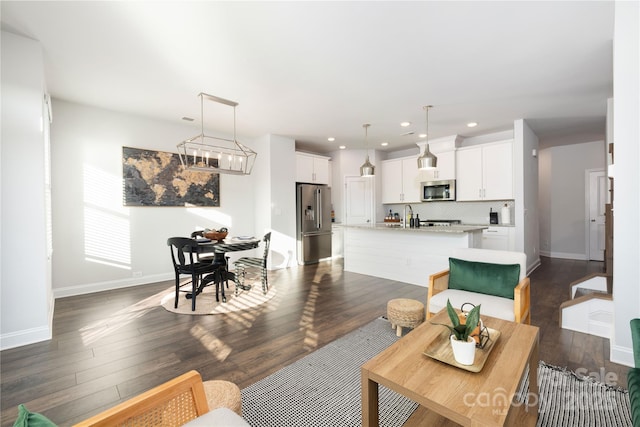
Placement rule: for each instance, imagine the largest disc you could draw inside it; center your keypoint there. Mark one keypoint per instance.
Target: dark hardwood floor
(110, 346)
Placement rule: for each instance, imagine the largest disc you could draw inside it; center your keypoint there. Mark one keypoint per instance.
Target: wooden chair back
(173, 403)
(267, 241)
(182, 250)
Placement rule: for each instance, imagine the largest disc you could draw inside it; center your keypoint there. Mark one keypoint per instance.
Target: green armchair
(633, 377)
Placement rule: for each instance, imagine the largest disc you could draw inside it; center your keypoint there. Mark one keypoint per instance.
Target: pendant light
(367, 169)
(427, 160)
(205, 153)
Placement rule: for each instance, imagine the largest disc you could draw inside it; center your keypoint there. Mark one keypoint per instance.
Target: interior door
(358, 200)
(597, 201)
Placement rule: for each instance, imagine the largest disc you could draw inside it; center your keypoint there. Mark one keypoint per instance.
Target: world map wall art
(157, 178)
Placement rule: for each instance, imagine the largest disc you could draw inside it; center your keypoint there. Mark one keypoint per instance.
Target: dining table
(219, 248)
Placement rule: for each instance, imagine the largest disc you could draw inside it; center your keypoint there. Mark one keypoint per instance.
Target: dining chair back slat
(182, 255)
(245, 263)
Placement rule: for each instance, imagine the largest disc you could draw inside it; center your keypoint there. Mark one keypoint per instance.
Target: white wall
(129, 243)
(278, 199)
(88, 209)
(25, 280)
(626, 199)
(525, 180)
(562, 197)
(544, 200)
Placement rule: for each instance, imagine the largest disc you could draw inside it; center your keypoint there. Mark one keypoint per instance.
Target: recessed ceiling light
(384, 144)
(342, 147)
(405, 124)
(331, 139)
(422, 135)
(188, 119)
(472, 124)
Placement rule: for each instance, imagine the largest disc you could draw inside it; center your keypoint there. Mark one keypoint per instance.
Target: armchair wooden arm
(522, 301)
(173, 403)
(437, 283)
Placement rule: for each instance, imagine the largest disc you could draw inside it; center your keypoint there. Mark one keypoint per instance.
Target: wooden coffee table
(449, 395)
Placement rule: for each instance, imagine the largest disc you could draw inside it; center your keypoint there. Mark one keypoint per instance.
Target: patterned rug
(569, 399)
(206, 302)
(323, 389)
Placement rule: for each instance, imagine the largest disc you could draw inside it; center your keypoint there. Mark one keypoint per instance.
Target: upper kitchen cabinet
(445, 150)
(485, 172)
(312, 169)
(446, 168)
(400, 181)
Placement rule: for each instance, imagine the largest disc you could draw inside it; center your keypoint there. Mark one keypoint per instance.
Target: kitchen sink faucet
(404, 215)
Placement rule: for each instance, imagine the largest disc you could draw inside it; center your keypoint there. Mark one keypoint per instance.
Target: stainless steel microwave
(438, 191)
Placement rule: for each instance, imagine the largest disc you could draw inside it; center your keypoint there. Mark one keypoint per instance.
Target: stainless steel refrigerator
(313, 223)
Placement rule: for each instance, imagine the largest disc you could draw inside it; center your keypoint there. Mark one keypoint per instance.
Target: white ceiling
(310, 70)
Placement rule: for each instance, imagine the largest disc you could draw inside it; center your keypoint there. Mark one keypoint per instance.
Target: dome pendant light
(427, 160)
(367, 169)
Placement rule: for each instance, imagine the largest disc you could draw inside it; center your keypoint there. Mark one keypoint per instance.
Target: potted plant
(463, 343)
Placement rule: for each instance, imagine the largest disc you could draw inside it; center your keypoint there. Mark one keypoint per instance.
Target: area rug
(323, 389)
(569, 399)
(206, 302)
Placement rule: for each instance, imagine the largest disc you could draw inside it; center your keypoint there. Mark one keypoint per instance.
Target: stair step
(590, 309)
(585, 291)
(595, 281)
(590, 314)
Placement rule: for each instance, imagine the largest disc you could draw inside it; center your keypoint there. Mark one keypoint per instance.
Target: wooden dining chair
(244, 263)
(185, 263)
(202, 257)
(211, 257)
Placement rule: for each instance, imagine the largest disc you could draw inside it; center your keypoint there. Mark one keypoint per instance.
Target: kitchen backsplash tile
(467, 212)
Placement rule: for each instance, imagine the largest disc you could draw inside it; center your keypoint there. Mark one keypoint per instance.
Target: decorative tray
(440, 349)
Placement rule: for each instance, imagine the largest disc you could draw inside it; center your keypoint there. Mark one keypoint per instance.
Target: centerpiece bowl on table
(216, 235)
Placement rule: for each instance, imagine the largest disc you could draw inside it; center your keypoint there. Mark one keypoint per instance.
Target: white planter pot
(463, 352)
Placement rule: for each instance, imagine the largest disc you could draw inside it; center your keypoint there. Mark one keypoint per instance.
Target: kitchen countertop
(435, 229)
(492, 225)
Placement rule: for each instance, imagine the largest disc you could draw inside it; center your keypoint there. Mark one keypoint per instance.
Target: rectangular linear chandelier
(206, 153)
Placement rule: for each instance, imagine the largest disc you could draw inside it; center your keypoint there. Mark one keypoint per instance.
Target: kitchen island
(407, 255)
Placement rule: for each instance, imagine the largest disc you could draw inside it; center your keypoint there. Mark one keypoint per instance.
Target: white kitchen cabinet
(485, 172)
(499, 238)
(400, 181)
(391, 171)
(410, 181)
(446, 168)
(312, 169)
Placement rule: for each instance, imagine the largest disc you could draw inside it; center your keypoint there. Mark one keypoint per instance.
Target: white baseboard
(89, 288)
(31, 335)
(43, 333)
(621, 355)
(564, 255)
(24, 337)
(535, 264)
